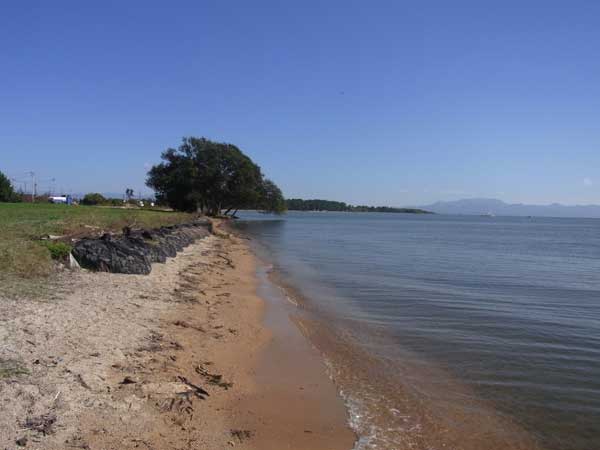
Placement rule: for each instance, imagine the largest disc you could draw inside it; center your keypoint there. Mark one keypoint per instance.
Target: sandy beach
(196, 355)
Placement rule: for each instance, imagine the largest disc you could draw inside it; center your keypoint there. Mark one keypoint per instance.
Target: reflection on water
(452, 326)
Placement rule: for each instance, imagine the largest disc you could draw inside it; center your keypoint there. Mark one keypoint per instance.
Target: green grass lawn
(24, 256)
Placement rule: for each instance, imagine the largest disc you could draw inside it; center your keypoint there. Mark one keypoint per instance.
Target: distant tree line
(297, 204)
(97, 199)
(214, 178)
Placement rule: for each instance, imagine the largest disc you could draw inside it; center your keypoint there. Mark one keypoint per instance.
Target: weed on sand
(11, 369)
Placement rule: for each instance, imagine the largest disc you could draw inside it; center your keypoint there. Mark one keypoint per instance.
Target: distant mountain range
(485, 206)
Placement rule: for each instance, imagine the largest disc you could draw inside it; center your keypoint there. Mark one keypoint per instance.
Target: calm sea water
(452, 331)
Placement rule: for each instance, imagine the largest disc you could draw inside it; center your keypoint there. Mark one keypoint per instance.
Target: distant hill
(298, 204)
(481, 206)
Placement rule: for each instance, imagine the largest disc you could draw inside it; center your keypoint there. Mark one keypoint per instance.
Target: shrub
(58, 250)
(93, 199)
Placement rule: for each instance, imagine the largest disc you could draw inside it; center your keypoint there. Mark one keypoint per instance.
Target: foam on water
(367, 432)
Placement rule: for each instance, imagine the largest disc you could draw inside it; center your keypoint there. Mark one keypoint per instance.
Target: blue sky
(378, 102)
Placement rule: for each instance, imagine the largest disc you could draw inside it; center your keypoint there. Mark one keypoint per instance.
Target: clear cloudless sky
(375, 102)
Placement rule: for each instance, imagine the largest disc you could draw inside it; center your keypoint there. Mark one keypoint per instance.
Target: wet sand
(199, 354)
(295, 404)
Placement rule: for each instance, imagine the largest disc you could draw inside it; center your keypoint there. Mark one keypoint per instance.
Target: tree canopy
(7, 193)
(271, 198)
(212, 177)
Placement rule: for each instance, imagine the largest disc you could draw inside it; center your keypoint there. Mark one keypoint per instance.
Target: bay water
(447, 332)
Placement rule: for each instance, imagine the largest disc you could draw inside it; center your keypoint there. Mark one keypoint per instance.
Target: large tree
(271, 198)
(207, 176)
(7, 193)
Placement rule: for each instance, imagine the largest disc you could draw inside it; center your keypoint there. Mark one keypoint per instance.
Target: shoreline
(411, 402)
(189, 356)
(301, 404)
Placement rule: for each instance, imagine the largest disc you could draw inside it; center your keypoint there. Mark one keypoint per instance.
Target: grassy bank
(24, 256)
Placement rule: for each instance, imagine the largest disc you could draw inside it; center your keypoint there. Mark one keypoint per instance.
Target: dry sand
(189, 357)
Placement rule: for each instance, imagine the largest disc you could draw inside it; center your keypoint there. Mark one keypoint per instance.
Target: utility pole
(34, 186)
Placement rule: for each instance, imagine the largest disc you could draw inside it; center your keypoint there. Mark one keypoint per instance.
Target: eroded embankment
(134, 251)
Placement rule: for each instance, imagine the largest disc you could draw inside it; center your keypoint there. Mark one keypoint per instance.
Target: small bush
(93, 199)
(58, 250)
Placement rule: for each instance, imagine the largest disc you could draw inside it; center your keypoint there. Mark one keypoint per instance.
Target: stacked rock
(134, 251)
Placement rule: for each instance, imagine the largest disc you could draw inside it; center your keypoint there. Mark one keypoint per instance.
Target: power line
(31, 183)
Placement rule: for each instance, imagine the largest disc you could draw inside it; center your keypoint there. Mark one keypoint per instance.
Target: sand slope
(178, 359)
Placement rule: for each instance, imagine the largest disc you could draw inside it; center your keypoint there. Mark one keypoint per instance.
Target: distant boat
(489, 214)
